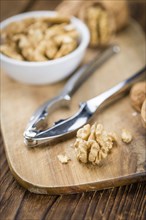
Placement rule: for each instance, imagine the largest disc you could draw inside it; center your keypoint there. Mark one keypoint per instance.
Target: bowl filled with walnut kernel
(42, 47)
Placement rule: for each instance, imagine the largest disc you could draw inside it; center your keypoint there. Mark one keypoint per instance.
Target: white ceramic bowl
(50, 71)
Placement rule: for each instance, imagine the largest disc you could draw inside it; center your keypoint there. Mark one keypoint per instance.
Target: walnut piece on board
(63, 158)
(93, 143)
(138, 95)
(143, 113)
(126, 136)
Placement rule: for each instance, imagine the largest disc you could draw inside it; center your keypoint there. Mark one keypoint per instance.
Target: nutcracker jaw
(38, 121)
(61, 128)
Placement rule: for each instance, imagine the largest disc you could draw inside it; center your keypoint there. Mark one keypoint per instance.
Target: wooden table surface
(127, 202)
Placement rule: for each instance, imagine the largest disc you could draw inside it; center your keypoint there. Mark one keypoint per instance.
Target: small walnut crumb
(134, 114)
(63, 158)
(93, 143)
(126, 136)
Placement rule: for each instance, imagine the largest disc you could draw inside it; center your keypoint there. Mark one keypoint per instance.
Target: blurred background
(12, 7)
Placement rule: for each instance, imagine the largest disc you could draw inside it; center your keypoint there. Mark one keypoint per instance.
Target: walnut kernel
(126, 136)
(63, 158)
(98, 23)
(93, 143)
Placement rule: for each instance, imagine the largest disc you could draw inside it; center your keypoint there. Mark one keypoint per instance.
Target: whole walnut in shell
(143, 113)
(138, 95)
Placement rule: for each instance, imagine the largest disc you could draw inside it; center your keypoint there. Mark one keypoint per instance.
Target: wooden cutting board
(38, 169)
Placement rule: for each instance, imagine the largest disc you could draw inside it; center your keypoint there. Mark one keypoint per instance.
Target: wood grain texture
(38, 169)
(127, 202)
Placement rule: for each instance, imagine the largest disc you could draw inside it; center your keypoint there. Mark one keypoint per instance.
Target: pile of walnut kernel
(39, 39)
(93, 143)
